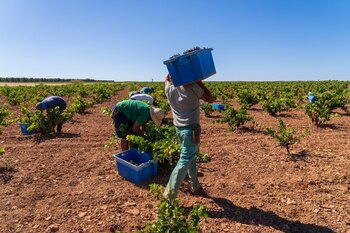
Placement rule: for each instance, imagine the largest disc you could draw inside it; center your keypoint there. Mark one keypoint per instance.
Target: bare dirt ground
(69, 183)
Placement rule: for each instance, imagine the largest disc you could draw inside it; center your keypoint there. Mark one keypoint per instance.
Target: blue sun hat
(146, 90)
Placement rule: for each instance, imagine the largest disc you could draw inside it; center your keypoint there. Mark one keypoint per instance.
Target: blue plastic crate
(191, 67)
(136, 167)
(220, 107)
(24, 129)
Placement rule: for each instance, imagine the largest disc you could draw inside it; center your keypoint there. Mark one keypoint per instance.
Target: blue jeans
(186, 163)
(122, 125)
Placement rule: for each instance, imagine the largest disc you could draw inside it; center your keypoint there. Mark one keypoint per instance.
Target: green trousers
(186, 163)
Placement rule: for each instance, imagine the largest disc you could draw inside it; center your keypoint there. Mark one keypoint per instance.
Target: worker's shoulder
(138, 104)
(189, 88)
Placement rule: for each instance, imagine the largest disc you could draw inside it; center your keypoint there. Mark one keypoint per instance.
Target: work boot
(199, 192)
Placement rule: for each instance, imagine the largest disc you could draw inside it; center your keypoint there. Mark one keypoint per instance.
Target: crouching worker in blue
(130, 117)
(184, 103)
(52, 102)
(311, 97)
(147, 90)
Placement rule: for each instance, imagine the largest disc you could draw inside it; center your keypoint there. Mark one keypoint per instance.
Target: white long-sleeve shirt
(142, 97)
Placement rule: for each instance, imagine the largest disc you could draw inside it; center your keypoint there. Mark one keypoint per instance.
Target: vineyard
(269, 161)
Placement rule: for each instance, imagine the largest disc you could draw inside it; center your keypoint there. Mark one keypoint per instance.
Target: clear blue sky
(129, 40)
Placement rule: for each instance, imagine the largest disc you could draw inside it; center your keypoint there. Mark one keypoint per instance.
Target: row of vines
(80, 97)
(276, 98)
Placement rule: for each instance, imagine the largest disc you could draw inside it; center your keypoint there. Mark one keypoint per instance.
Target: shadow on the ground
(333, 127)
(256, 216)
(344, 113)
(42, 138)
(5, 173)
(300, 156)
(87, 112)
(162, 177)
(68, 135)
(213, 117)
(256, 109)
(251, 129)
(287, 115)
(328, 126)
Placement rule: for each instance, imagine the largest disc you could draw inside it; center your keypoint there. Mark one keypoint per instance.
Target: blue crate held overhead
(191, 67)
(136, 167)
(24, 129)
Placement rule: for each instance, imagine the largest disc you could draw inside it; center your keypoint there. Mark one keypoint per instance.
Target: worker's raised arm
(167, 80)
(207, 96)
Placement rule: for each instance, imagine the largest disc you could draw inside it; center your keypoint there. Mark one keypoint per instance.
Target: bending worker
(184, 103)
(52, 102)
(130, 117)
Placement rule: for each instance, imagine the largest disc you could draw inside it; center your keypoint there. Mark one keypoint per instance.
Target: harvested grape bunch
(175, 56)
(191, 50)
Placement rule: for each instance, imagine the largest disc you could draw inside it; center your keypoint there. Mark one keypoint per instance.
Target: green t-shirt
(134, 110)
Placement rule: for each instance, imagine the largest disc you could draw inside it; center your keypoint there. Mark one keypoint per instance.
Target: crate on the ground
(24, 129)
(217, 106)
(136, 167)
(191, 67)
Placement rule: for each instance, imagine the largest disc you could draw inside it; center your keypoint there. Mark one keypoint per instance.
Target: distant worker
(52, 102)
(134, 95)
(131, 116)
(184, 103)
(311, 97)
(147, 90)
